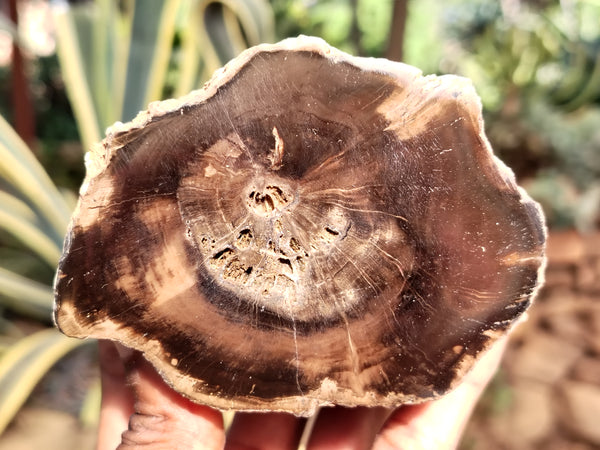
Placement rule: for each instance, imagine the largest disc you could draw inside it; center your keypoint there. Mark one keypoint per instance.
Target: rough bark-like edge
(100, 155)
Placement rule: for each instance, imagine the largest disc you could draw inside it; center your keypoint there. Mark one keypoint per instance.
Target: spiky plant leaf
(25, 363)
(23, 295)
(26, 175)
(18, 219)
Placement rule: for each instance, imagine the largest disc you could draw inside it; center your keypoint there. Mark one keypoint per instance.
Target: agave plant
(33, 212)
(118, 57)
(115, 58)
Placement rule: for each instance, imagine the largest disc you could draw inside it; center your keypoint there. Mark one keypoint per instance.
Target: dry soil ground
(547, 394)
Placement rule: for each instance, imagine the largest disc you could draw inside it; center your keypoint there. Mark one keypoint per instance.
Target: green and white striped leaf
(25, 363)
(217, 31)
(26, 175)
(18, 219)
(23, 295)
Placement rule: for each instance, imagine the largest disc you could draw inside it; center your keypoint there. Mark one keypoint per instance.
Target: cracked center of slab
(297, 248)
(268, 201)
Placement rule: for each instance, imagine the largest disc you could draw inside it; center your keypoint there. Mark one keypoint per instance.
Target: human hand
(154, 416)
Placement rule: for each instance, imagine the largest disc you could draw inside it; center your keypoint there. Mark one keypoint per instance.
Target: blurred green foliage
(359, 27)
(536, 66)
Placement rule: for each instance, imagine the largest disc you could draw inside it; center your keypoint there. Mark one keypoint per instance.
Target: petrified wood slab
(309, 228)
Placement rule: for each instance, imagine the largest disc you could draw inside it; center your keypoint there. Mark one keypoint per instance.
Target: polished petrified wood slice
(308, 229)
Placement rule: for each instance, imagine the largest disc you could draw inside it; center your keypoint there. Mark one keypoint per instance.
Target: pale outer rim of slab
(98, 159)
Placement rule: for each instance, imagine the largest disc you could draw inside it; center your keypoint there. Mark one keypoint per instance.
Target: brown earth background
(547, 393)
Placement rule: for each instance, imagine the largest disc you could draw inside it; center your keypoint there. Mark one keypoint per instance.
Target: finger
(117, 400)
(267, 431)
(347, 428)
(439, 424)
(164, 419)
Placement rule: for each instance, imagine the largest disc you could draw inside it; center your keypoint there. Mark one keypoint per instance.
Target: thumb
(161, 417)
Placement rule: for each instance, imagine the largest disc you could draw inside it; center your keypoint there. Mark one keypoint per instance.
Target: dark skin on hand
(140, 411)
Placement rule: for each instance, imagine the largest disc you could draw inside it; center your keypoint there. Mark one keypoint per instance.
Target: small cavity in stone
(332, 231)
(286, 262)
(221, 257)
(270, 199)
(244, 238)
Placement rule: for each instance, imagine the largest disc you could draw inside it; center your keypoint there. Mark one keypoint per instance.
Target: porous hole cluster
(271, 199)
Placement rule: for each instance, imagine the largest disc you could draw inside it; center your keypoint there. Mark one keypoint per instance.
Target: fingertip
(140, 410)
(267, 431)
(347, 428)
(163, 417)
(117, 399)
